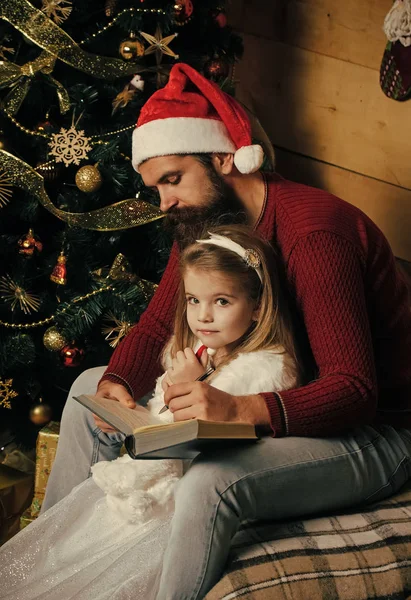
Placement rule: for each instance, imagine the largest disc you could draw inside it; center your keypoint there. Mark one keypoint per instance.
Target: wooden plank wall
(310, 72)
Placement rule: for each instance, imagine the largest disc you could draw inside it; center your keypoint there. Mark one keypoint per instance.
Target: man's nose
(167, 200)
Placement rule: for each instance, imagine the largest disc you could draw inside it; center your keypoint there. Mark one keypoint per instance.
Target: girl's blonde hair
(273, 326)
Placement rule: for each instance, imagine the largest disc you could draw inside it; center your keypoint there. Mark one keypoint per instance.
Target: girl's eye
(192, 300)
(174, 180)
(222, 302)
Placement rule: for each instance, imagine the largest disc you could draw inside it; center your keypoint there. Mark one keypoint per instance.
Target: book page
(133, 418)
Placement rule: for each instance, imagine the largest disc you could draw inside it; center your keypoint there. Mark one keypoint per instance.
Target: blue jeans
(271, 479)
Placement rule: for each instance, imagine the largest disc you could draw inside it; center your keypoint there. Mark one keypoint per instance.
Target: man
(342, 439)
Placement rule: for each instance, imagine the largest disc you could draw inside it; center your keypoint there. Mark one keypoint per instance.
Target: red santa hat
(192, 115)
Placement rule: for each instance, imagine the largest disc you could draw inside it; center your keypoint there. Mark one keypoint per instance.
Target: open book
(148, 436)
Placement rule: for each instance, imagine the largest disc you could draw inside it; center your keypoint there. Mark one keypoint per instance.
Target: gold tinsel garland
(120, 215)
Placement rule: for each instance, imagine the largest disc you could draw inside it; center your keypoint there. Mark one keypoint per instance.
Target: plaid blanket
(350, 556)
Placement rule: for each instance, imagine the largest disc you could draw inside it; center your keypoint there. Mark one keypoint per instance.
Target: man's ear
(223, 163)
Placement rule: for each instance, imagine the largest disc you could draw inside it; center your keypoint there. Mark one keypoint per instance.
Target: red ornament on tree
(29, 244)
(71, 355)
(183, 10)
(216, 68)
(221, 19)
(59, 273)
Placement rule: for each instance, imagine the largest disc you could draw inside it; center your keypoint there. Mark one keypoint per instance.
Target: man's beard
(221, 207)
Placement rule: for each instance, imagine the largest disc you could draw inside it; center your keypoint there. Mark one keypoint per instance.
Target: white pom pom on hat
(193, 115)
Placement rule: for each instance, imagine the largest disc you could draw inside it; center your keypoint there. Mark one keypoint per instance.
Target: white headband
(249, 256)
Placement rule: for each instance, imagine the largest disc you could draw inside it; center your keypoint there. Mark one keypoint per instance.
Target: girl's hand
(185, 367)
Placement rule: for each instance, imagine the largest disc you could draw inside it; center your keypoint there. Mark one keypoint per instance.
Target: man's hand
(198, 400)
(117, 393)
(185, 367)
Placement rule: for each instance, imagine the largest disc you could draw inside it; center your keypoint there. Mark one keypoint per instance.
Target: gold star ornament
(159, 45)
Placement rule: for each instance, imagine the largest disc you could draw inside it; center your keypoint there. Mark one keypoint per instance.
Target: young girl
(106, 539)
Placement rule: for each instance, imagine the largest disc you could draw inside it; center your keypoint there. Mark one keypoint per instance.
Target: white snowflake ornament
(69, 146)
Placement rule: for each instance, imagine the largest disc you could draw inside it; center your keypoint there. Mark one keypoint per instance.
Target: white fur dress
(106, 539)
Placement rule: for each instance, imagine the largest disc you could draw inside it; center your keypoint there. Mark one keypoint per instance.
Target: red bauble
(183, 10)
(71, 355)
(216, 68)
(221, 20)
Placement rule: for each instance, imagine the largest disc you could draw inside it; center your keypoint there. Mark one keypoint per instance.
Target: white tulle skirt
(79, 549)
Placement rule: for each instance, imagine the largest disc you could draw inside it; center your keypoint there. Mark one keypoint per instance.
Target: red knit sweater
(353, 302)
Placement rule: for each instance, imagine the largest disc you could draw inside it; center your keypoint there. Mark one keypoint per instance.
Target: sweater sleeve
(327, 274)
(135, 362)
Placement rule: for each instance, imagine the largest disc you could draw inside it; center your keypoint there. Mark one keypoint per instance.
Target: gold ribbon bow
(120, 215)
(20, 77)
(41, 30)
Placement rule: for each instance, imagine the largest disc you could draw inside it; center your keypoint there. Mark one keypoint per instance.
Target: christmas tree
(81, 241)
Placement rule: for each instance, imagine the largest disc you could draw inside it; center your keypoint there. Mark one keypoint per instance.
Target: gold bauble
(88, 179)
(53, 340)
(131, 48)
(40, 413)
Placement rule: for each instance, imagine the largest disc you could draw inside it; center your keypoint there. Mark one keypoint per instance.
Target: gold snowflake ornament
(5, 191)
(69, 146)
(58, 10)
(12, 293)
(6, 393)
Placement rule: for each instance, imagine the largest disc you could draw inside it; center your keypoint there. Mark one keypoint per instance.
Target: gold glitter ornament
(5, 191)
(13, 294)
(131, 48)
(40, 413)
(69, 146)
(88, 179)
(53, 339)
(6, 393)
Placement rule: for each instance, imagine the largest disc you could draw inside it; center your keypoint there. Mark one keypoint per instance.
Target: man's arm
(135, 362)
(329, 285)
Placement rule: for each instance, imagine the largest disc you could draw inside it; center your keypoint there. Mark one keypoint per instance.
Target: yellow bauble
(53, 340)
(40, 413)
(88, 179)
(131, 48)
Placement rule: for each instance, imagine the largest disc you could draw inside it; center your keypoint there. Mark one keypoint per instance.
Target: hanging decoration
(20, 77)
(123, 97)
(59, 273)
(125, 214)
(216, 68)
(30, 244)
(110, 7)
(131, 48)
(220, 18)
(58, 10)
(159, 45)
(395, 71)
(183, 12)
(115, 329)
(88, 179)
(12, 293)
(40, 413)
(6, 393)
(71, 355)
(53, 340)
(5, 191)
(49, 170)
(70, 146)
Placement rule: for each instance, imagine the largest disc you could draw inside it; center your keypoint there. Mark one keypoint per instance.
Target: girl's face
(219, 312)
